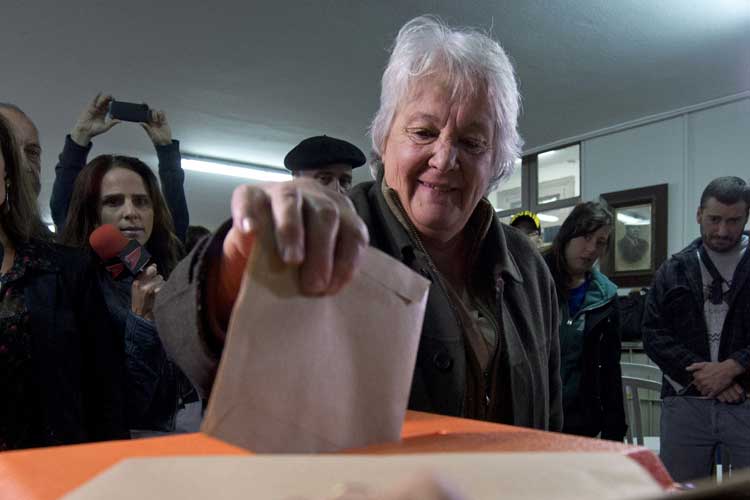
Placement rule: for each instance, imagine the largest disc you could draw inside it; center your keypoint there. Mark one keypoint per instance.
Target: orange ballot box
(48, 473)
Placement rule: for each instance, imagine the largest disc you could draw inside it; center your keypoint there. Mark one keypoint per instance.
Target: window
(551, 220)
(509, 193)
(547, 183)
(558, 176)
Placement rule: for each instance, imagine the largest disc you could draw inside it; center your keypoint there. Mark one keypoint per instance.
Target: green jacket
(590, 363)
(523, 386)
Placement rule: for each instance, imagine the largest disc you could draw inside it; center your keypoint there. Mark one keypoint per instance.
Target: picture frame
(639, 240)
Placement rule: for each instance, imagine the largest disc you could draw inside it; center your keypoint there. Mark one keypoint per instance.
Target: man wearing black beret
(328, 160)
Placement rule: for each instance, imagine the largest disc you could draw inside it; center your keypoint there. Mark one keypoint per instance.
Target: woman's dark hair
(586, 218)
(84, 211)
(19, 214)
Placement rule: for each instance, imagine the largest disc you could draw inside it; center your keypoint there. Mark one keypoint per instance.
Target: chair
(638, 370)
(632, 402)
(648, 377)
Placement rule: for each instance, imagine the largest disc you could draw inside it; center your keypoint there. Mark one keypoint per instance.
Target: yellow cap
(529, 214)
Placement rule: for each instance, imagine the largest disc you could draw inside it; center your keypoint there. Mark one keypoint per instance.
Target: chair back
(639, 370)
(632, 403)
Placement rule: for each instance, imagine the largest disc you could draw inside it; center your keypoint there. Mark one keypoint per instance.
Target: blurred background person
(61, 364)
(528, 222)
(445, 135)
(589, 326)
(94, 121)
(328, 160)
(123, 191)
(27, 140)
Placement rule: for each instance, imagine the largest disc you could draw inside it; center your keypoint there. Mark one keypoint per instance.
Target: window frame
(530, 185)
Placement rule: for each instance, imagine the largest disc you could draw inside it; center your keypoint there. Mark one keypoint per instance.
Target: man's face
(632, 231)
(722, 225)
(530, 230)
(27, 138)
(337, 177)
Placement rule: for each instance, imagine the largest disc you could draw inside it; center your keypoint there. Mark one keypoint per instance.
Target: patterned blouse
(20, 423)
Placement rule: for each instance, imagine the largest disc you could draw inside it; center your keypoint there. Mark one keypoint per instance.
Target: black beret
(320, 151)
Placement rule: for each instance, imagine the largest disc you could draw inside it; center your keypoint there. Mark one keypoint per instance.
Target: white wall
(686, 152)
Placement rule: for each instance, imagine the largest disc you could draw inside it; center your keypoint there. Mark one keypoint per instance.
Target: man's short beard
(728, 248)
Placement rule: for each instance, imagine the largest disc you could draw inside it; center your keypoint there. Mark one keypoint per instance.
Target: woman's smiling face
(438, 158)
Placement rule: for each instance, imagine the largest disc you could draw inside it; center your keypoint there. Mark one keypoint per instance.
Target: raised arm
(171, 175)
(93, 121)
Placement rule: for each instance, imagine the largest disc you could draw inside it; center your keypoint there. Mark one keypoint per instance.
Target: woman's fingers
(251, 208)
(289, 225)
(322, 221)
(312, 226)
(352, 240)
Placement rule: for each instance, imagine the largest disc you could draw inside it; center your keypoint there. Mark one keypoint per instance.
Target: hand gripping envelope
(304, 374)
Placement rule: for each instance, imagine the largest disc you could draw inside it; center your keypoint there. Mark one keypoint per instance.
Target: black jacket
(674, 324)
(599, 408)
(77, 356)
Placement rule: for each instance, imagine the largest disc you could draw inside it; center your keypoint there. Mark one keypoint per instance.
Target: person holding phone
(95, 120)
(124, 191)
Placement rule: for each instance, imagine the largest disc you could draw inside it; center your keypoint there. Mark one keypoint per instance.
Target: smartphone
(129, 112)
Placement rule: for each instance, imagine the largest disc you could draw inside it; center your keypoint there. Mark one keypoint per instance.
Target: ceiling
(246, 80)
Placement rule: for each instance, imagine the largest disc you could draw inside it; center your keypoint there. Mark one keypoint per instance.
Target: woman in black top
(61, 361)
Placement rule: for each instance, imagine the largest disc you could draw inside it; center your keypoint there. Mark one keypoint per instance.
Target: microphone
(119, 254)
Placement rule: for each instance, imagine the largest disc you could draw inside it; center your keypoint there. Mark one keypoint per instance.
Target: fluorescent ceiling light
(548, 218)
(242, 170)
(547, 154)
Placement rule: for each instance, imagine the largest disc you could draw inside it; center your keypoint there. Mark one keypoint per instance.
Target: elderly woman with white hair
(445, 135)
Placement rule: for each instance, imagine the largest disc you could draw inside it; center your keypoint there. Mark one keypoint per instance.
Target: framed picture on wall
(639, 240)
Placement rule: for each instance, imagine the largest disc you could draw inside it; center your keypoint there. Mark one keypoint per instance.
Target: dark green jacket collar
(483, 222)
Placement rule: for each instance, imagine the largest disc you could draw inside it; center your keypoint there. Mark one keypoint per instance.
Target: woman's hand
(313, 227)
(93, 121)
(143, 292)
(158, 129)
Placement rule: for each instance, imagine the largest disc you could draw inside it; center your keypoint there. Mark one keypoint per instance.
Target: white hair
(466, 61)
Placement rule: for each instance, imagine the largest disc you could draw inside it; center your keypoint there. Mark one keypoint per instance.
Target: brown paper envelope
(478, 476)
(313, 374)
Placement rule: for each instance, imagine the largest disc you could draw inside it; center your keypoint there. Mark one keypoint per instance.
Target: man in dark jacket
(697, 329)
